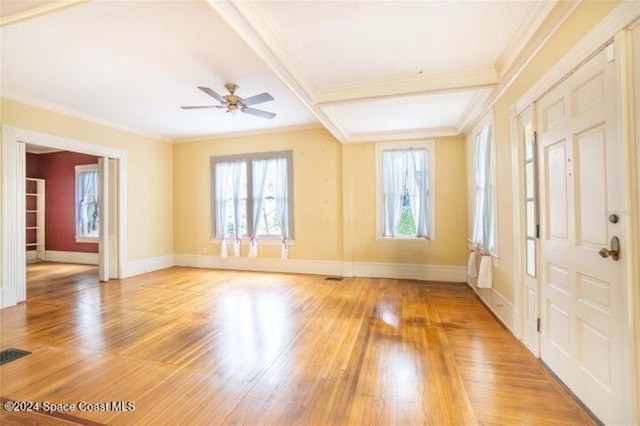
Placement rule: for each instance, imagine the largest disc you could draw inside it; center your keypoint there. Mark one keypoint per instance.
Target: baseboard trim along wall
(71, 257)
(327, 267)
(150, 264)
(501, 307)
(31, 256)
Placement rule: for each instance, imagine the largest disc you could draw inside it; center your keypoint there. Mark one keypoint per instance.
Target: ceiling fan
(232, 102)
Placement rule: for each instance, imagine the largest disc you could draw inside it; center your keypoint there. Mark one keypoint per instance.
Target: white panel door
(583, 336)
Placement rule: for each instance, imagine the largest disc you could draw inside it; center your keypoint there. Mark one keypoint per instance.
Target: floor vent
(11, 354)
(333, 278)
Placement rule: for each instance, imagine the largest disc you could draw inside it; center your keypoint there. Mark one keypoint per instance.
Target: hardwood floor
(193, 346)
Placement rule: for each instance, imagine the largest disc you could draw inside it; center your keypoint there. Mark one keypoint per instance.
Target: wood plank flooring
(194, 346)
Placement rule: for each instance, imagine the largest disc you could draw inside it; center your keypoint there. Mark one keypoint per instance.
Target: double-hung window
(484, 214)
(252, 195)
(87, 194)
(405, 190)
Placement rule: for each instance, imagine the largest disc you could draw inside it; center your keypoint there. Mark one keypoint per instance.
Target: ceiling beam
(245, 18)
(403, 135)
(38, 10)
(419, 85)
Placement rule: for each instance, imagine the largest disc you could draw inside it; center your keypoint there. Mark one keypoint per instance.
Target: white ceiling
(366, 70)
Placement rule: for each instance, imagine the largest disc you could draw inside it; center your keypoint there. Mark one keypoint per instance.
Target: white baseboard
(265, 264)
(501, 307)
(410, 271)
(31, 256)
(327, 267)
(143, 266)
(71, 257)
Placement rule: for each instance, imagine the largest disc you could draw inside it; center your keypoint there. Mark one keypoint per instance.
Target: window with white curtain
(484, 214)
(87, 193)
(252, 195)
(405, 190)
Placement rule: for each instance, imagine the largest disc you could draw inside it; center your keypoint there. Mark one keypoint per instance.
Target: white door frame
(612, 26)
(12, 262)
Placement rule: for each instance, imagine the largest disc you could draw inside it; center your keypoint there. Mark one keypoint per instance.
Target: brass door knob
(614, 252)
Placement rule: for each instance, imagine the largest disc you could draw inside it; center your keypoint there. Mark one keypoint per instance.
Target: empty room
(320, 212)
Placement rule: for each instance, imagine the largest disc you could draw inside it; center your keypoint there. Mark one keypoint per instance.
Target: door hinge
(538, 325)
(537, 231)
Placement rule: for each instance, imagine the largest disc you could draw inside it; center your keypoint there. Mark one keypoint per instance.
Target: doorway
(112, 237)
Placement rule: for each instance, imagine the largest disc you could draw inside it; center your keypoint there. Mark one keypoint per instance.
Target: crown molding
(247, 20)
(412, 86)
(534, 20)
(473, 111)
(622, 16)
(558, 16)
(38, 10)
(17, 97)
(403, 135)
(261, 132)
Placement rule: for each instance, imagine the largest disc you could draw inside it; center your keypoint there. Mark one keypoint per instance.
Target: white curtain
(483, 211)
(88, 202)
(420, 204)
(259, 174)
(281, 196)
(394, 170)
(238, 181)
(223, 180)
(405, 171)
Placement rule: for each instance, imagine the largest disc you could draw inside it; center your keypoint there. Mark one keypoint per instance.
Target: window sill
(93, 240)
(381, 238)
(265, 241)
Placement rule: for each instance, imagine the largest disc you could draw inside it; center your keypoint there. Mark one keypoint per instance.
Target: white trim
(17, 97)
(498, 304)
(442, 273)
(248, 21)
(261, 132)
(13, 189)
(408, 271)
(402, 135)
(33, 12)
(620, 17)
(297, 266)
(262, 241)
(527, 30)
(31, 256)
(419, 85)
(151, 264)
(71, 257)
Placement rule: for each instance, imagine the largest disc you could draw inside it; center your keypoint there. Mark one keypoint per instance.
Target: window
(87, 203)
(405, 190)
(484, 217)
(530, 193)
(252, 195)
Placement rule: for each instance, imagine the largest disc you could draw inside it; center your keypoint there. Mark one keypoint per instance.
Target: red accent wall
(58, 170)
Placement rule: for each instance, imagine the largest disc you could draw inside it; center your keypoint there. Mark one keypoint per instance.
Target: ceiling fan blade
(262, 97)
(212, 94)
(201, 107)
(258, 112)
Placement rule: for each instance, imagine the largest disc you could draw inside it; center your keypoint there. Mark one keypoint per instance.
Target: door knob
(614, 251)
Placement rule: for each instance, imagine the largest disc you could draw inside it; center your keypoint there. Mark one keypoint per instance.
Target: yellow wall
(317, 178)
(449, 246)
(326, 226)
(149, 173)
(585, 17)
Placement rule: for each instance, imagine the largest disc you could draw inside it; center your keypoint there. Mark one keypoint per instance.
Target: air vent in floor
(333, 278)
(11, 354)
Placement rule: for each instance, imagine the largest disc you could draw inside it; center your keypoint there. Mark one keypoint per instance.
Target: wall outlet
(204, 250)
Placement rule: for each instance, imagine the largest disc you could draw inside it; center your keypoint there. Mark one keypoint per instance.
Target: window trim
(248, 158)
(430, 146)
(78, 169)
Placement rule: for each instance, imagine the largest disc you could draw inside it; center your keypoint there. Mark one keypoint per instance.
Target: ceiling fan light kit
(232, 102)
